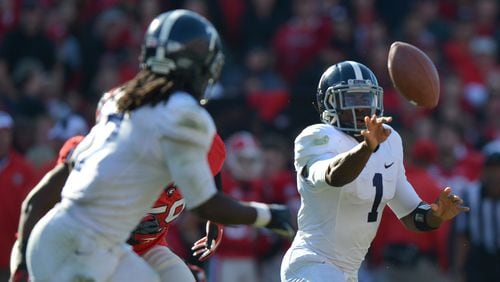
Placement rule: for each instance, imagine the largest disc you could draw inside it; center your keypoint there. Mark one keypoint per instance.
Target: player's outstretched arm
(38, 202)
(344, 168)
(228, 211)
(427, 217)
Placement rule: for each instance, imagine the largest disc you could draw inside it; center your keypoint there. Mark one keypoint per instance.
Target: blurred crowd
(57, 57)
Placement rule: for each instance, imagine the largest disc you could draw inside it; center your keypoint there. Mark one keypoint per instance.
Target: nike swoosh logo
(388, 165)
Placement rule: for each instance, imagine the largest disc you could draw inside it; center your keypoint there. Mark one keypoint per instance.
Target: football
(413, 74)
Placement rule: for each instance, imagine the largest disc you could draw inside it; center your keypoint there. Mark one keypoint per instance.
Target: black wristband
(420, 217)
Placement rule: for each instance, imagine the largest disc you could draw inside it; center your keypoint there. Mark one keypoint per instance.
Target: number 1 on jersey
(379, 189)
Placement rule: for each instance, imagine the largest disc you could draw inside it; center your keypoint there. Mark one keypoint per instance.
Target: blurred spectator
(236, 258)
(110, 39)
(26, 41)
(42, 151)
(490, 123)
(478, 232)
(68, 126)
(296, 42)
(227, 14)
(17, 177)
(456, 163)
(265, 90)
(401, 255)
(61, 28)
(260, 22)
(31, 82)
(279, 187)
(343, 39)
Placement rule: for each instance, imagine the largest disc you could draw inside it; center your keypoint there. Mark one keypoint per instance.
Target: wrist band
(263, 214)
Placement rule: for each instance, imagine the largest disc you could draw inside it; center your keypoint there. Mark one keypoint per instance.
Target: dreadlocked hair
(145, 88)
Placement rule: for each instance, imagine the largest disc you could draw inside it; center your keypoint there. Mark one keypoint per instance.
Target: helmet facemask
(346, 105)
(214, 72)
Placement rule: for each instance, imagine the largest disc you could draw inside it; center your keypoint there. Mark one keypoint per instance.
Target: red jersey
(154, 226)
(166, 209)
(241, 240)
(17, 177)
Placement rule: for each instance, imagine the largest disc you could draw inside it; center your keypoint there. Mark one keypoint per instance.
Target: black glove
(148, 225)
(281, 221)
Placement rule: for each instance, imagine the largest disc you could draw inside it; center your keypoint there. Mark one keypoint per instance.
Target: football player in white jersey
(151, 132)
(348, 168)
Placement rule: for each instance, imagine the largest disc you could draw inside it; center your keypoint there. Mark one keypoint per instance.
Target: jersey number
(379, 190)
(116, 119)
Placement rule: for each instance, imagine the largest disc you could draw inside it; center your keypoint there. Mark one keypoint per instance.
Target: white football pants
(168, 265)
(61, 250)
(302, 266)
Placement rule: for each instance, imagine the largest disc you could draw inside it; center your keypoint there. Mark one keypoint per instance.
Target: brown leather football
(413, 74)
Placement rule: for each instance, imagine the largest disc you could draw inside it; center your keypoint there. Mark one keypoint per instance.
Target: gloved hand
(207, 245)
(281, 221)
(149, 225)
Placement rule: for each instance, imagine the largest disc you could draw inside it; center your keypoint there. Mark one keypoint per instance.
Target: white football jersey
(124, 163)
(339, 223)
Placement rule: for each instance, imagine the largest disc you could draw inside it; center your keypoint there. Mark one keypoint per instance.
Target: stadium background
(58, 57)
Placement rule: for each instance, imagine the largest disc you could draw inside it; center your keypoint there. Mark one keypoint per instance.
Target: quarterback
(348, 168)
(153, 131)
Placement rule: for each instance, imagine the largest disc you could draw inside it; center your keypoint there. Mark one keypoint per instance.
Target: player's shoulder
(182, 118)
(394, 137)
(317, 135)
(316, 140)
(108, 103)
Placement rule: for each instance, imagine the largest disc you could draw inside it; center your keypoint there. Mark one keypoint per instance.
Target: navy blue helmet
(184, 46)
(347, 91)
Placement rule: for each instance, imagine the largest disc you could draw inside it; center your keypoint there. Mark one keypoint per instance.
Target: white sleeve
(316, 176)
(189, 167)
(405, 199)
(184, 120)
(186, 133)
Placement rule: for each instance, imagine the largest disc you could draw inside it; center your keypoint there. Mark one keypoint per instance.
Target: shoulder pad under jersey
(317, 140)
(184, 120)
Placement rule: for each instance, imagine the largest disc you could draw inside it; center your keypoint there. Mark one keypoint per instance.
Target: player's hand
(281, 221)
(20, 274)
(206, 246)
(375, 133)
(448, 205)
